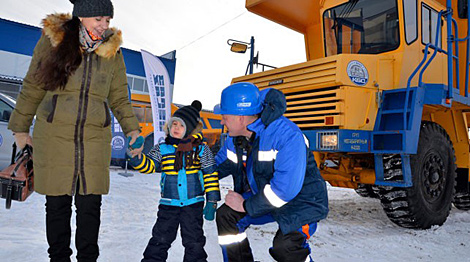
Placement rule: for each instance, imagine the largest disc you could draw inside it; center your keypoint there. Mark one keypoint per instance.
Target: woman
(76, 75)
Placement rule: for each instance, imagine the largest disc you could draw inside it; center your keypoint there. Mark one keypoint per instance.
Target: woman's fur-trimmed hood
(52, 28)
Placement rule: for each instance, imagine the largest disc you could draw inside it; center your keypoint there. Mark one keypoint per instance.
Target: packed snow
(356, 229)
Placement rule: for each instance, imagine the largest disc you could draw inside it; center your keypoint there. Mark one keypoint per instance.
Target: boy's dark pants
(165, 229)
(58, 213)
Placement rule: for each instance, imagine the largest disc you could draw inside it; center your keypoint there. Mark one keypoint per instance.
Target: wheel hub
(434, 177)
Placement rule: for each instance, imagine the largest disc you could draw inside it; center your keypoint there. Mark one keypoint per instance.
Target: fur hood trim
(52, 28)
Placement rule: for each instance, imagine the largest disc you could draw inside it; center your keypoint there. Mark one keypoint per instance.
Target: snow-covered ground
(356, 229)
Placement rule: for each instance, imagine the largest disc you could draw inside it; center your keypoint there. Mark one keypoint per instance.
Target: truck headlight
(328, 140)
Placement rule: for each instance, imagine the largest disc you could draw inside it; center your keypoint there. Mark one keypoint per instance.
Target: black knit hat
(189, 115)
(92, 8)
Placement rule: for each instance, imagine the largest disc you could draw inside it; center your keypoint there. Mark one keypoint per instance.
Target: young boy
(188, 171)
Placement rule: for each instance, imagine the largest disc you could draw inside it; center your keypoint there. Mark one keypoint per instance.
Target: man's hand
(235, 201)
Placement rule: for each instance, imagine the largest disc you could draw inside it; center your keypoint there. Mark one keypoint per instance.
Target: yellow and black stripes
(147, 166)
(201, 177)
(210, 174)
(168, 165)
(198, 136)
(211, 182)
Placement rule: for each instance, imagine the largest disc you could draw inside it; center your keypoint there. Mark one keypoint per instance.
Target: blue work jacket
(280, 170)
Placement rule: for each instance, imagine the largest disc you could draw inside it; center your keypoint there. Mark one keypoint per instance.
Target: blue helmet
(241, 99)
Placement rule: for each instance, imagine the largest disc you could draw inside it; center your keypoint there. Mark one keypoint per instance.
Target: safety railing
(452, 44)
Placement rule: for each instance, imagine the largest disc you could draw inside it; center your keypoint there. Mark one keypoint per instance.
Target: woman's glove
(21, 139)
(209, 210)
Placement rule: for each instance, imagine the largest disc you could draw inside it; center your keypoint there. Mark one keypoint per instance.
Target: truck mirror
(238, 48)
(462, 9)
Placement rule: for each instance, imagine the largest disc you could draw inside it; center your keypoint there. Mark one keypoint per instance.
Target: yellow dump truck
(382, 98)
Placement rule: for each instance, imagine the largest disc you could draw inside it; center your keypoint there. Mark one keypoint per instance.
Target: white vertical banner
(159, 89)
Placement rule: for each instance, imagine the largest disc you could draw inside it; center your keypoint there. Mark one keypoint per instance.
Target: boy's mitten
(209, 210)
(137, 144)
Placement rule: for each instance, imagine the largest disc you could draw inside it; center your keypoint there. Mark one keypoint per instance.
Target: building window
(137, 84)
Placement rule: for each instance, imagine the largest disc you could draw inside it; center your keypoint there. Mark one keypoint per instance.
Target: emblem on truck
(357, 72)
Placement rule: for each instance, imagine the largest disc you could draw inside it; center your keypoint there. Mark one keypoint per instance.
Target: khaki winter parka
(72, 132)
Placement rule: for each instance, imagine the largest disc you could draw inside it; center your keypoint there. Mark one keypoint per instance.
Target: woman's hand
(21, 139)
(134, 135)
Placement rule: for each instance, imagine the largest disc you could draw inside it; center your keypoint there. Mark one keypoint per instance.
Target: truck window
(429, 26)
(361, 27)
(411, 20)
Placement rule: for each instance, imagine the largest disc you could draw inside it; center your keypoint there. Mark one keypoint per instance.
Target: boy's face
(177, 130)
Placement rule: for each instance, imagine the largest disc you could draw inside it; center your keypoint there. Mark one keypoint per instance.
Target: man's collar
(256, 126)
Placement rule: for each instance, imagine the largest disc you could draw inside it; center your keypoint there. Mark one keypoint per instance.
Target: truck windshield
(361, 27)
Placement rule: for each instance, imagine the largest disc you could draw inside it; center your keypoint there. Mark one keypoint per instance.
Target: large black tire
(365, 190)
(462, 201)
(429, 200)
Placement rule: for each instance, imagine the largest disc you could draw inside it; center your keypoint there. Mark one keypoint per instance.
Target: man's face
(234, 124)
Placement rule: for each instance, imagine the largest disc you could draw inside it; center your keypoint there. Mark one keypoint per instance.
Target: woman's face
(177, 130)
(96, 25)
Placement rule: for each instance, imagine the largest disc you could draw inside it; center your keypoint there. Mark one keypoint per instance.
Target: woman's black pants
(58, 214)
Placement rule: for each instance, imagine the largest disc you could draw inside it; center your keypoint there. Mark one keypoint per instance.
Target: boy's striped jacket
(186, 186)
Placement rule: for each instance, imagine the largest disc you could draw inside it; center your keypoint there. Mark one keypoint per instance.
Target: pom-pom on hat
(189, 115)
(92, 8)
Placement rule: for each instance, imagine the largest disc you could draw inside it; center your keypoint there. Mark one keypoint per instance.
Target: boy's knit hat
(92, 8)
(189, 115)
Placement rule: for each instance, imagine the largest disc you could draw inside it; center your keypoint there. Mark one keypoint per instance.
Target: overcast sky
(197, 29)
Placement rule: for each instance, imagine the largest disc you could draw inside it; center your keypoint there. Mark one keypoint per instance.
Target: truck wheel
(462, 201)
(365, 190)
(429, 200)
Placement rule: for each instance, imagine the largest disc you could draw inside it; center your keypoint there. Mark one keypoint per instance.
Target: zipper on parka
(79, 123)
